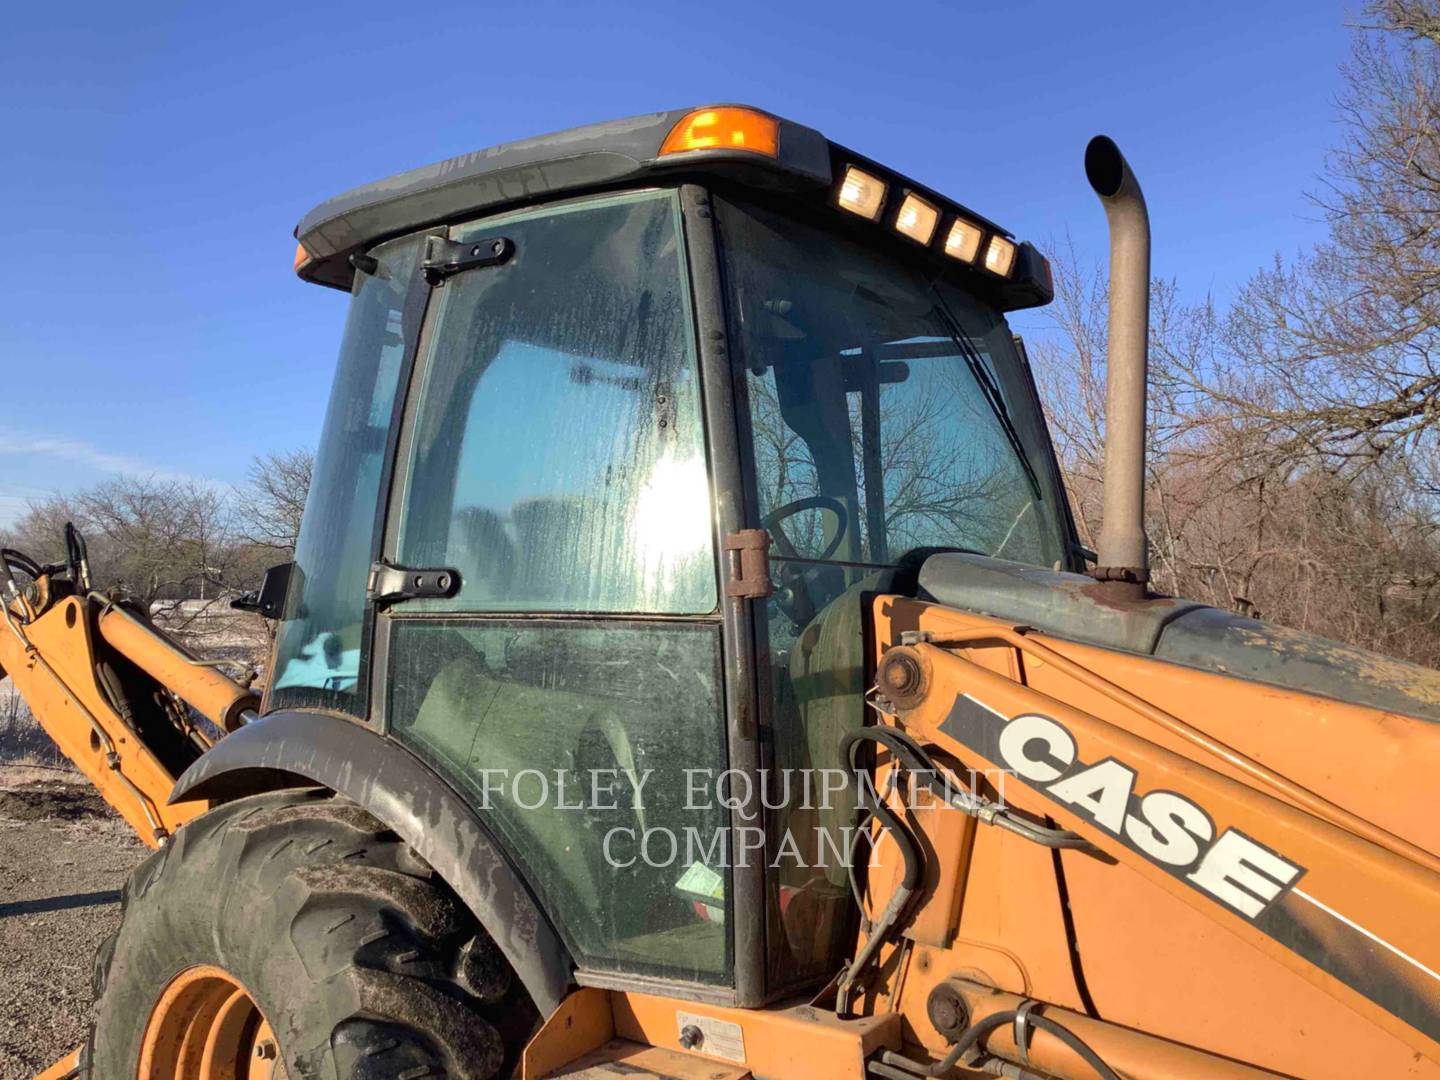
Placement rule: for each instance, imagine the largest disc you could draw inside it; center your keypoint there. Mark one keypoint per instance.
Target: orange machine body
(54, 658)
(1303, 945)
(1218, 962)
(1219, 944)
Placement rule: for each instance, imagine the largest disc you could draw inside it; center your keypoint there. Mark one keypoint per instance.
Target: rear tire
(362, 960)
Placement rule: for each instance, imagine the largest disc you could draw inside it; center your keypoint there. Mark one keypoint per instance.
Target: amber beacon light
(726, 128)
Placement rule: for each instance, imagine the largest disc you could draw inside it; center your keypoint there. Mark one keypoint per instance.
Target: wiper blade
(989, 391)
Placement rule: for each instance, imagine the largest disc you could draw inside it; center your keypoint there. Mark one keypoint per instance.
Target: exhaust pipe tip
(1105, 166)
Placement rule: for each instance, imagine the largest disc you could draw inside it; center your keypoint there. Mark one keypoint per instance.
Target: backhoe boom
(111, 690)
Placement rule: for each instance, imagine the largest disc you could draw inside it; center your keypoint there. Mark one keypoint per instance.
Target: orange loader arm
(110, 689)
(1345, 905)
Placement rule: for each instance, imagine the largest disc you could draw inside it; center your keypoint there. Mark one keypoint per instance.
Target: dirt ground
(63, 858)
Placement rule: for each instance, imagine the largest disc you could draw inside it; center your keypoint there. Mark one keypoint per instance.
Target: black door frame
(729, 514)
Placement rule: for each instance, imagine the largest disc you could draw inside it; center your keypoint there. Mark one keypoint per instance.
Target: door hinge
(747, 560)
(446, 258)
(389, 584)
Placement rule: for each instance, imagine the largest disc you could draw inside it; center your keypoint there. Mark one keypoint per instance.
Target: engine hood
(1182, 632)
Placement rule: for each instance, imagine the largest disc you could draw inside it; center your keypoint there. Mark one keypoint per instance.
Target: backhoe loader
(689, 667)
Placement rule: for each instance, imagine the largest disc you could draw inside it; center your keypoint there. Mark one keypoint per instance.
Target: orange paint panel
(949, 833)
(1355, 931)
(798, 1042)
(1397, 898)
(619, 1058)
(1009, 925)
(580, 1024)
(1375, 764)
(1167, 969)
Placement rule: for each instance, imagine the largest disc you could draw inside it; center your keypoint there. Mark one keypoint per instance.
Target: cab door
(553, 459)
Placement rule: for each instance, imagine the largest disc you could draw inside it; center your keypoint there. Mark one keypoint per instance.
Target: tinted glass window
(596, 751)
(558, 458)
(320, 648)
(888, 413)
(883, 405)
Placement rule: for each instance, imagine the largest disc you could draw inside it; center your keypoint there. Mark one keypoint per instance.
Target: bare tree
(1336, 355)
(946, 477)
(161, 540)
(270, 506)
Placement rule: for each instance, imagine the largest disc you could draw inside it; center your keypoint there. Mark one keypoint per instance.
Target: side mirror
(269, 600)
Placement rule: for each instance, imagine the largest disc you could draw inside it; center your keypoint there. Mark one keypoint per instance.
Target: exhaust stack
(1122, 549)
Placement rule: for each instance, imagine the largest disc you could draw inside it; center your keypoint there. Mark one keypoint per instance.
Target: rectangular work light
(963, 240)
(1000, 256)
(917, 219)
(861, 193)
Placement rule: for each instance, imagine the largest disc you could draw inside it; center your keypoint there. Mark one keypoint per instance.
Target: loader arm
(112, 690)
(1346, 905)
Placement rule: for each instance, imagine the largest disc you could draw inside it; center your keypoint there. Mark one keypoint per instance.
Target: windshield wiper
(989, 390)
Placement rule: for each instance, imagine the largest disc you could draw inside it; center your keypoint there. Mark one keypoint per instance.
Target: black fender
(291, 749)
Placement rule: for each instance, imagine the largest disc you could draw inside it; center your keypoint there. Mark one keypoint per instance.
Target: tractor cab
(683, 493)
(629, 423)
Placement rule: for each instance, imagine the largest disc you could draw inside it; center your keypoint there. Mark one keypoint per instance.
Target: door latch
(446, 258)
(389, 583)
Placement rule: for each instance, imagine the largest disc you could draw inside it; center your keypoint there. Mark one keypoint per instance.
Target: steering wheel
(772, 520)
(794, 595)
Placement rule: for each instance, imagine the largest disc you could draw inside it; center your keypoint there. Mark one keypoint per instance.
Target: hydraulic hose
(910, 756)
(10, 591)
(909, 850)
(1040, 834)
(945, 788)
(993, 1065)
(850, 745)
(24, 563)
(977, 1031)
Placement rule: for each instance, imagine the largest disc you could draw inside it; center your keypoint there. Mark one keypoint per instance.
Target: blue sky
(155, 157)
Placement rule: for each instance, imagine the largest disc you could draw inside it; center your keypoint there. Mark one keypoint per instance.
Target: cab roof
(615, 153)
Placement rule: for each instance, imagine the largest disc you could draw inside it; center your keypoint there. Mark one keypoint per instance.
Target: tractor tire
(357, 956)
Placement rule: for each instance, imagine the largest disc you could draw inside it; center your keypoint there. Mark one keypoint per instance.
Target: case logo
(1171, 831)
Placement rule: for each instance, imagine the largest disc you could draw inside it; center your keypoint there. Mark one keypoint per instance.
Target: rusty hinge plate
(747, 560)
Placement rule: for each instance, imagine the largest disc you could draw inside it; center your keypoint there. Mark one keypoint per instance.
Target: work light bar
(867, 195)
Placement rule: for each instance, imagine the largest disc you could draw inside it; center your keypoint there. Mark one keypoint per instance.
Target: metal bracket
(269, 599)
(750, 565)
(389, 584)
(1131, 574)
(446, 258)
(1022, 1029)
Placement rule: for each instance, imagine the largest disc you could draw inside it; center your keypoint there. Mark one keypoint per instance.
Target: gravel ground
(63, 858)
